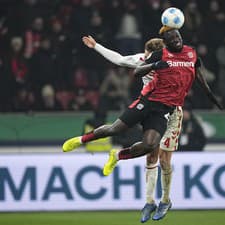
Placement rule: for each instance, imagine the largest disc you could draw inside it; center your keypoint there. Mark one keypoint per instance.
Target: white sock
(117, 155)
(80, 139)
(151, 180)
(166, 177)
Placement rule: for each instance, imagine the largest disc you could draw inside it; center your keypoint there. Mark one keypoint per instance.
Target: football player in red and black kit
(173, 83)
(181, 67)
(177, 66)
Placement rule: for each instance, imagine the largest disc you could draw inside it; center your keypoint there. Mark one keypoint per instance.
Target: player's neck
(174, 50)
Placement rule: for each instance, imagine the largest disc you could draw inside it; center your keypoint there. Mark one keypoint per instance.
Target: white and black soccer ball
(173, 17)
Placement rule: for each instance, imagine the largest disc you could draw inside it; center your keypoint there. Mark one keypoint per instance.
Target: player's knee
(105, 129)
(150, 146)
(151, 165)
(110, 130)
(151, 159)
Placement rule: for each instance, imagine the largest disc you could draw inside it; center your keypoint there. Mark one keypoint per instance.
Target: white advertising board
(34, 182)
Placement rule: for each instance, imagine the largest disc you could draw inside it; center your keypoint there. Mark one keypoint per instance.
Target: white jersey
(130, 61)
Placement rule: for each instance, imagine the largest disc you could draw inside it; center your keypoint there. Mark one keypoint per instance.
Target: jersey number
(167, 142)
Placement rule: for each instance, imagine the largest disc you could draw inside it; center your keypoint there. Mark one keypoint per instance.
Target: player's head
(152, 45)
(172, 39)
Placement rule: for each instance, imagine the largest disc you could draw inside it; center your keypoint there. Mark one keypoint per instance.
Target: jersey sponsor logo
(190, 55)
(180, 64)
(140, 106)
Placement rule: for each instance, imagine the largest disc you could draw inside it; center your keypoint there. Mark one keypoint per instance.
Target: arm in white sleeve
(130, 61)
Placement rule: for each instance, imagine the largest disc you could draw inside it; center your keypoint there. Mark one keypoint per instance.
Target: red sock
(88, 137)
(124, 154)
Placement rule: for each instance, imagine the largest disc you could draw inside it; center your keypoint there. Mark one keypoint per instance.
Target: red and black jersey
(174, 82)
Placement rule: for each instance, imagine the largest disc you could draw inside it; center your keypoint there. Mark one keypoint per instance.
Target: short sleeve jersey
(174, 82)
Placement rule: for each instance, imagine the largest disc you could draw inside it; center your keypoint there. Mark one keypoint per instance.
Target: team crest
(140, 106)
(167, 116)
(190, 55)
(170, 55)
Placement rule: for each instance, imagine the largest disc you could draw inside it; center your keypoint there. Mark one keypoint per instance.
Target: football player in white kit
(169, 141)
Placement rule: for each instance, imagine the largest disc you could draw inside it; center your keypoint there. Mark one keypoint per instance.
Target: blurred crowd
(44, 65)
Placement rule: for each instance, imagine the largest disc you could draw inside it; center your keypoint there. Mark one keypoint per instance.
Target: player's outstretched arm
(142, 70)
(202, 81)
(130, 61)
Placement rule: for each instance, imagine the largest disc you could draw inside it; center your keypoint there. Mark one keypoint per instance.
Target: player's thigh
(151, 139)
(155, 124)
(119, 126)
(169, 141)
(135, 113)
(111, 129)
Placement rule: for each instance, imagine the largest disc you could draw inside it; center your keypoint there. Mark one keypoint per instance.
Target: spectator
(65, 97)
(85, 11)
(220, 55)
(18, 64)
(80, 78)
(215, 23)
(17, 71)
(58, 37)
(80, 101)
(193, 22)
(42, 65)
(97, 28)
(192, 137)
(24, 101)
(61, 52)
(3, 35)
(48, 100)
(33, 37)
(114, 7)
(114, 90)
(152, 12)
(129, 35)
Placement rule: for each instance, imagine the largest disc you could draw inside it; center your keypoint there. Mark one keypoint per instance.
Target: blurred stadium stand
(45, 67)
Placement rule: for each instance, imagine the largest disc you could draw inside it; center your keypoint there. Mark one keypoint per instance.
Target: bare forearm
(214, 100)
(141, 71)
(207, 89)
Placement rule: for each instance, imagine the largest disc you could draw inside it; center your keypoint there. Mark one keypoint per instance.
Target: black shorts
(150, 114)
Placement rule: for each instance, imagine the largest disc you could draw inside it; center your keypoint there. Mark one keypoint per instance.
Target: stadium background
(50, 85)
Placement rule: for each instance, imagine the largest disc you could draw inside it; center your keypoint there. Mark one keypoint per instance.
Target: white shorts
(169, 141)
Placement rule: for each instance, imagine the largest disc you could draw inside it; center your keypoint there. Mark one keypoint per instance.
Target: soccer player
(168, 143)
(176, 67)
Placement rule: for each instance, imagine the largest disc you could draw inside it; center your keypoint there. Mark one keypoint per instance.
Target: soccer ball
(173, 17)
